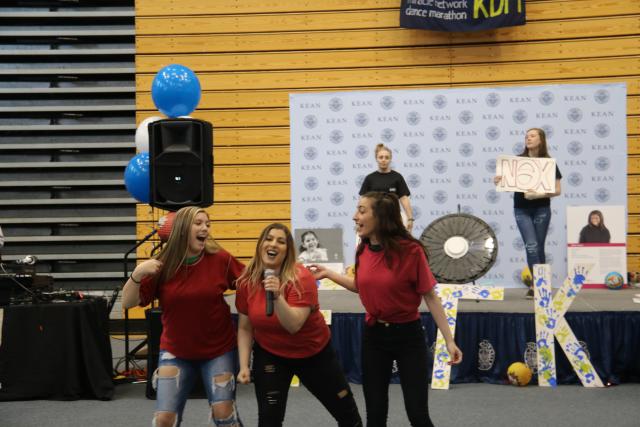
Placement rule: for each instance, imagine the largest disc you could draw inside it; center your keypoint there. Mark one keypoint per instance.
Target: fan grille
(478, 259)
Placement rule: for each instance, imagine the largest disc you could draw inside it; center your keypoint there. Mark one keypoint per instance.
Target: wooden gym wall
(250, 55)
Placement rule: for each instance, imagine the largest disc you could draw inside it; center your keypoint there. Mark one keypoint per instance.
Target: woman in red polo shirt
(293, 340)
(392, 278)
(189, 277)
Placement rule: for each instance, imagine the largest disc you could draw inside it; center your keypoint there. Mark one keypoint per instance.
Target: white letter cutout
(550, 321)
(450, 294)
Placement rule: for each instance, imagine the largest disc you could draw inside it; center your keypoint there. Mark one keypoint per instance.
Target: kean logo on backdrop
(461, 15)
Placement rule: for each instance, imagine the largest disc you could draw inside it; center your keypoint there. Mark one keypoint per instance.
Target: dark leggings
(383, 343)
(321, 374)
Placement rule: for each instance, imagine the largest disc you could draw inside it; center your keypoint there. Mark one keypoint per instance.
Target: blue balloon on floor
(136, 177)
(175, 90)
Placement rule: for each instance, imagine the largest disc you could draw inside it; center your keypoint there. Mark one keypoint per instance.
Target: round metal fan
(461, 248)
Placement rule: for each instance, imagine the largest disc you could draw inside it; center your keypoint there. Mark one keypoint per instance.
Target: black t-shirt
(520, 202)
(390, 182)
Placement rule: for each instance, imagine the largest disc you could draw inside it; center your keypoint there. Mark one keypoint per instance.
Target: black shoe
(529, 294)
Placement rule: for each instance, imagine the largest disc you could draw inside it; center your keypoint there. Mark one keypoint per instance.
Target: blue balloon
(137, 177)
(175, 90)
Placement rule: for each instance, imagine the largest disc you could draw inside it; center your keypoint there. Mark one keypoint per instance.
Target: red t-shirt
(196, 320)
(267, 330)
(393, 294)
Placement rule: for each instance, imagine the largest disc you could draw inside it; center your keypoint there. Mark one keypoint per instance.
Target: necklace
(192, 259)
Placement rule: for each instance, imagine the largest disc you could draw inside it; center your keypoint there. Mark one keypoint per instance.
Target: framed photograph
(321, 246)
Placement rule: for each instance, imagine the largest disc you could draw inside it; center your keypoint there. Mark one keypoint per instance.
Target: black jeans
(321, 374)
(383, 343)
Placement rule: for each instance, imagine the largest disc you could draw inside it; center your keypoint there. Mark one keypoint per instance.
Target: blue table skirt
(492, 341)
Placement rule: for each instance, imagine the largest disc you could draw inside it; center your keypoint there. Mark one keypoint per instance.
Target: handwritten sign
(537, 174)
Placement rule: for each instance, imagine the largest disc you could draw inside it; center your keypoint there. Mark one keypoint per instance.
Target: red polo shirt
(393, 294)
(196, 320)
(267, 330)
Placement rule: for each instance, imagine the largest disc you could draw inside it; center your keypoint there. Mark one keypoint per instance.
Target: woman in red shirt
(294, 340)
(189, 277)
(392, 278)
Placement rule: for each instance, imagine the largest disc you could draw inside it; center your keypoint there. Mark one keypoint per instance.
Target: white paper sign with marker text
(537, 174)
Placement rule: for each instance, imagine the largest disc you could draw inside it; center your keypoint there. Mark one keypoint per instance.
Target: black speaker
(181, 163)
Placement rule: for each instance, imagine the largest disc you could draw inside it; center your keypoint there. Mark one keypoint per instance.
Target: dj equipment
(18, 267)
(461, 248)
(24, 288)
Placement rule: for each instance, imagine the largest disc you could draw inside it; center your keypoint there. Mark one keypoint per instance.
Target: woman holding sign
(533, 210)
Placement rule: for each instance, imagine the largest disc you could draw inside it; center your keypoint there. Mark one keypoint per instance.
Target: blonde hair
(174, 253)
(381, 147)
(253, 274)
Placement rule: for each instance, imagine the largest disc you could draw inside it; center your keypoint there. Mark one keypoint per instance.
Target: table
(57, 350)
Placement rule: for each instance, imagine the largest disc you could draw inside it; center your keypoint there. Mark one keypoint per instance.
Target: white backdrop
(445, 143)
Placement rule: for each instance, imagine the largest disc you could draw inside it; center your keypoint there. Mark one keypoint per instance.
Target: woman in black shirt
(386, 180)
(533, 210)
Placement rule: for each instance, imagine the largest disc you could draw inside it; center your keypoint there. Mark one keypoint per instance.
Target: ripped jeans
(533, 224)
(321, 374)
(173, 392)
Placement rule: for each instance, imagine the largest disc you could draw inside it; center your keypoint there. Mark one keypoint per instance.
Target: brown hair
(543, 151)
(596, 212)
(390, 230)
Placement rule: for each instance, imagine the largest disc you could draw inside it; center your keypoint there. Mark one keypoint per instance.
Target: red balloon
(165, 224)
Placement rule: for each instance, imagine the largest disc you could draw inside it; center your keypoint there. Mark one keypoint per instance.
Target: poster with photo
(596, 237)
(321, 246)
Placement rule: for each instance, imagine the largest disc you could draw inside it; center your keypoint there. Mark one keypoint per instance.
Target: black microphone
(268, 272)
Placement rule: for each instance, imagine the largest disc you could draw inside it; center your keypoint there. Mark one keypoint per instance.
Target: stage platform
(587, 301)
(494, 334)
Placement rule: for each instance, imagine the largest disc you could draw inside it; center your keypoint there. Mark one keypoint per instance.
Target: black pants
(381, 345)
(321, 374)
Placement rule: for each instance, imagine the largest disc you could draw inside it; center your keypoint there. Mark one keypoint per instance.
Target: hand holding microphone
(268, 272)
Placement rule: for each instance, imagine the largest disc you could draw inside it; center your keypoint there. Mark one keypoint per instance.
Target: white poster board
(596, 236)
(524, 174)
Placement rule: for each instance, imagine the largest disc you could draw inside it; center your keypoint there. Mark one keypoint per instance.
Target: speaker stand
(129, 355)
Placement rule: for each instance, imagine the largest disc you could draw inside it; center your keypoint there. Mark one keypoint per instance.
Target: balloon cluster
(175, 92)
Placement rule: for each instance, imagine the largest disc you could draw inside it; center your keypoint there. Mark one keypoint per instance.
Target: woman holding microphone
(288, 335)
